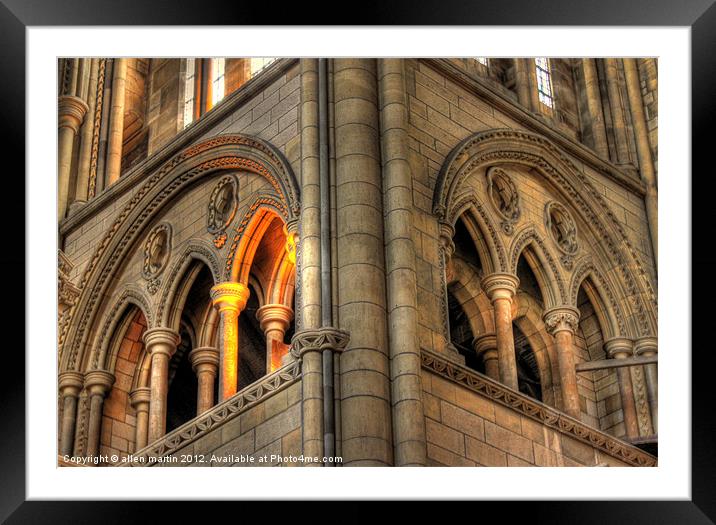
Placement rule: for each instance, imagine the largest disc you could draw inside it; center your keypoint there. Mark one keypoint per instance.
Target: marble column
(617, 110)
(501, 288)
(97, 383)
(621, 348)
(562, 323)
(594, 106)
(71, 114)
(648, 347)
(230, 300)
(274, 320)
(140, 398)
(486, 349)
(70, 384)
(205, 362)
(116, 123)
(160, 343)
(643, 149)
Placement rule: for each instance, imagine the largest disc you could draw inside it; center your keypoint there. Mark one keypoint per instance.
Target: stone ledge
(535, 410)
(218, 415)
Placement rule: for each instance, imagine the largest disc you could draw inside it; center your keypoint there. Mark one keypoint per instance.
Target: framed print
(260, 249)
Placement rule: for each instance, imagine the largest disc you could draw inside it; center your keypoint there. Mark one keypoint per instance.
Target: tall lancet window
(544, 81)
(189, 91)
(218, 66)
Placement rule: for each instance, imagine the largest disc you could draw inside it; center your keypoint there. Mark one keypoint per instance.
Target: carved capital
(560, 319)
(71, 111)
(274, 316)
(230, 296)
(161, 341)
(71, 383)
(500, 286)
(318, 340)
(646, 346)
(98, 382)
(139, 398)
(618, 347)
(204, 358)
(485, 345)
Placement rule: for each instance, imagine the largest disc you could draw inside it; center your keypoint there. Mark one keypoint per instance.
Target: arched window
(544, 81)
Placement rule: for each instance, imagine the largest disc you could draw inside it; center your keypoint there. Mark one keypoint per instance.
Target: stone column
(447, 248)
(70, 385)
(648, 347)
(621, 348)
(87, 136)
(594, 106)
(97, 383)
(230, 300)
(643, 149)
(562, 322)
(205, 362)
(535, 104)
(501, 288)
(160, 343)
(522, 81)
(140, 399)
(365, 365)
(116, 123)
(274, 320)
(617, 110)
(71, 113)
(401, 280)
(486, 348)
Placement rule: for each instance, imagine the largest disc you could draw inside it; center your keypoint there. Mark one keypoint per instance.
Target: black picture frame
(700, 15)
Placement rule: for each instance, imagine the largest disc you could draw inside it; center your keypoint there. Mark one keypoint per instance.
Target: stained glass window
(544, 82)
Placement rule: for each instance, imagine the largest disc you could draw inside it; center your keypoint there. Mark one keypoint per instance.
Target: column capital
(139, 398)
(71, 112)
(99, 381)
(618, 347)
(485, 343)
(500, 285)
(317, 340)
(274, 313)
(161, 340)
(70, 383)
(204, 357)
(646, 346)
(561, 319)
(229, 296)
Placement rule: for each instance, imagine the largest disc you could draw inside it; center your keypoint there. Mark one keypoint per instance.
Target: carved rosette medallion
(223, 204)
(504, 198)
(563, 231)
(156, 255)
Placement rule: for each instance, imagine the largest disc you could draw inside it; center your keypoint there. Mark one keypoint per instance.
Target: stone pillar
(140, 399)
(205, 362)
(522, 81)
(643, 149)
(501, 288)
(365, 365)
(274, 320)
(648, 347)
(97, 383)
(70, 385)
(160, 343)
(486, 348)
(594, 106)
(71, 113)
(562, 323)
(401, 280)
(621, 348)
(617, 110)
(535, 104)
(87, 136)
(116, 123)
(229, 299)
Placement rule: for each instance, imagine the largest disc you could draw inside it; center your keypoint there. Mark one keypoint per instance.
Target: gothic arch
(488, 242)
(610, 243)
(542, 263)
(465, 287)
(224, 152)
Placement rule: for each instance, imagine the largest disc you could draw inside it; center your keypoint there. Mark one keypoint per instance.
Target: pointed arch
(488, 242)
(465, 287)
(609, 311)
(529, 244)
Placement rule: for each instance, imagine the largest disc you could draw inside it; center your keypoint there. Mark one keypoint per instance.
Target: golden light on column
(229, 299)
(291, 246)
(274, 320)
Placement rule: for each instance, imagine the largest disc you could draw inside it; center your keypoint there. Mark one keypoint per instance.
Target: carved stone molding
(504, 198)
(562, 318)
(94, 155)
(229, 296)
(618, 347)
(318, 340)
(218, 415)
(563, 229)
(535, 410)
(222, 208)
(157, 249)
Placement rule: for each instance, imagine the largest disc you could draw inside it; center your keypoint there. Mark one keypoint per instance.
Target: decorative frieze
(318, 340)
